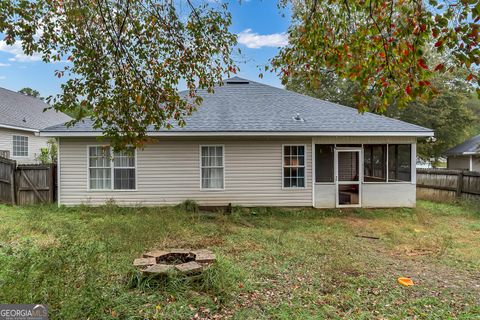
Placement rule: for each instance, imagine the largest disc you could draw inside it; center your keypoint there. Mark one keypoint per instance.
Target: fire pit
(185, 261)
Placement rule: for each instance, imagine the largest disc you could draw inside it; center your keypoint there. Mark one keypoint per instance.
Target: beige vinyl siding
(35, 143)
(168, 172)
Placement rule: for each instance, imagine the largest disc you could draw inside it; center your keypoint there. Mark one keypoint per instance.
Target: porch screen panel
(348, 166)
(399, 162)
(324, 162)
(375, 163)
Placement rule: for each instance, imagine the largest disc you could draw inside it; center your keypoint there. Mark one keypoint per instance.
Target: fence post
(459, 184)
(12, 183)
(51, 183)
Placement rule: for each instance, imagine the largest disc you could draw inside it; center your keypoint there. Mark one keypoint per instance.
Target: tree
(127, 57)
(381, 46)
(328, 86)
(30, 92)
(452, 112)
(447, 114)
(49, 153)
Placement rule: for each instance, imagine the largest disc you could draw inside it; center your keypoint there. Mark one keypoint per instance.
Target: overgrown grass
(272, 263)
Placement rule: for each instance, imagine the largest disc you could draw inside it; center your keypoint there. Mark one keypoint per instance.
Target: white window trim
(200, 166)
(304, 166)
(112, 171)
(13, 146)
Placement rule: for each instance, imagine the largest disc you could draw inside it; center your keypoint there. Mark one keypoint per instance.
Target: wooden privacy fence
(26, 183)
(442, 184)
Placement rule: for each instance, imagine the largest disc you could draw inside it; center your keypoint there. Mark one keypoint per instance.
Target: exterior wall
(463, 162)
(383, 195)
(374, 194)
(476, 163)
(168, 172)
(34, 144)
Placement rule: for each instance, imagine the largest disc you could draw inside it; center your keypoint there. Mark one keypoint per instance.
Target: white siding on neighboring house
(459, 162)
(35, 143)
(476, 163)
(168, 172)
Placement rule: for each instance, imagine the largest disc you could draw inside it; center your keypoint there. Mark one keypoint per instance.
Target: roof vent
(298, 118)
(236, 80)
(24, 120)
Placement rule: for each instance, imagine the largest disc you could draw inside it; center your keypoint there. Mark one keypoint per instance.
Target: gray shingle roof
(470, 146)
(241, 105)
(19, 110)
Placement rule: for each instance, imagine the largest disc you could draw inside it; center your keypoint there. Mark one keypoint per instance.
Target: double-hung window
(20, 146)
(294, 166)
(212, 167)
(103, 168)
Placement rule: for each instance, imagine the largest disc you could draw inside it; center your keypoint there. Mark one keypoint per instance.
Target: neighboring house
(21, 117)
(249, 144)
(465, 156)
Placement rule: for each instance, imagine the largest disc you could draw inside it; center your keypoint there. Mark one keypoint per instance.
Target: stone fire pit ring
(185, 261)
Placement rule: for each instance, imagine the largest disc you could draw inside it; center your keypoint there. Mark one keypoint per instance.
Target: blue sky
(259, 25)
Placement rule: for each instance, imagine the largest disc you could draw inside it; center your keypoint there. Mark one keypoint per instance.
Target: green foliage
(126, 58)
(48, 154)
(381, 46)
(30, 92)
(189, 206)
(453, 112)
(450, 113)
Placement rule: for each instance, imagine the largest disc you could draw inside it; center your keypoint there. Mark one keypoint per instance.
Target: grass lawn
(272, 263)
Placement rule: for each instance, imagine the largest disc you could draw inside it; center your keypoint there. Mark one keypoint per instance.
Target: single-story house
(21, 117)
(465, 156)
(249, 144)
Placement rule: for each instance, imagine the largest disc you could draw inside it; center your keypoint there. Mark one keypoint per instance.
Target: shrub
(189, 206)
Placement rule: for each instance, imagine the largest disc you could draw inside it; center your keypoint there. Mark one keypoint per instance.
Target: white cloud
(254, 40)
(3, 77)
(18, 54)
(4, 64)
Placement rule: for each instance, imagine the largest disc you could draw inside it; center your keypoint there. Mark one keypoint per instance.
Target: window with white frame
(103, 168)
(293, 166)
(124, 170)
(212, 167)
(20, 146)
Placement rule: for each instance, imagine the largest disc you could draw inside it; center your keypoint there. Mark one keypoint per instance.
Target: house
(21, 117)
(249, 144)
(465, 156)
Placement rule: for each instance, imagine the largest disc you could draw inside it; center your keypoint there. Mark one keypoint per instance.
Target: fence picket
(26, 183)
(442, 184)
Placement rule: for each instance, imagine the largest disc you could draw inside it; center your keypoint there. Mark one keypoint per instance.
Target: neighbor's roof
(471, 146)
(243, 107)
(19, 111)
